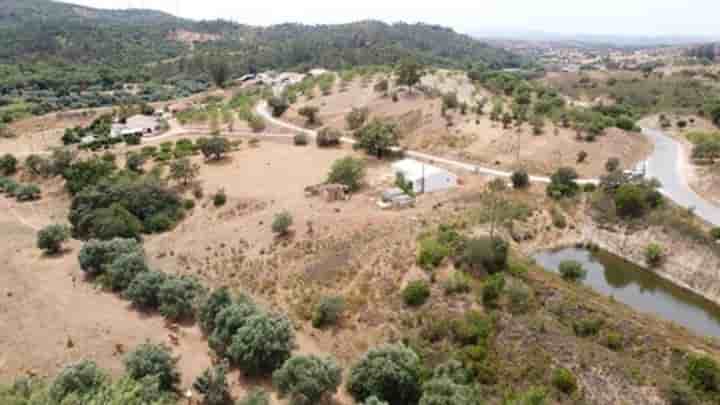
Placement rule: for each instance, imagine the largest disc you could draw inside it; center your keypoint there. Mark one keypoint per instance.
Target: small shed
(425, 178)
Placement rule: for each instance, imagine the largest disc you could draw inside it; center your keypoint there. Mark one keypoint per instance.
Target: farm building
(425, 178)
(137, 124)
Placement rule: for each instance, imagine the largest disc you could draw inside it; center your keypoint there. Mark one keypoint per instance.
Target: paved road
(666, 164)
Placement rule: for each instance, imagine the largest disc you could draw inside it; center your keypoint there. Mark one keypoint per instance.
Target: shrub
(153, 360)
(8, 164)
(37, 165)
(144, 289)
(300, 139)
(80, 378)
(95, 255)
(582, 156)
(227, 322)
(492, 289)
(27, 192)
(177, 297)
(356, 118)
(558, 218)
(381, 86)
(485, 255)
(631, 200)
(307, 379)
(281, 223)
(564, 380)
(518, 299)
(446, 391)
(328, 137)
(257, 123)
(220, 198)
(680, 394)
(347, 171)
(472, 329)
(587, 327)
(212, 384)
(715, 233)
(374, 401)
(328, 311)
(211, 306)
(431, 253)
(613, 341)
(123, 270)
(51, 238)
(457, 283)
(8, 185)
(310, 114)
(129, 391)
(571, 270)
(589, 188)
(520, 179)
(612, 164)
(135, 162)
(390, 373)
(255, 397)
(703, 373)
(562, 183)
(654, 255)
(262, 344)
(416, 293)
(450, 101)
(278, 105)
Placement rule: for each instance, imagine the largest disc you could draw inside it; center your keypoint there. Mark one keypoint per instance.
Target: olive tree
(212, 384)
(78, 378)
(377, 137)
(308, 379)
(262, 344)
(123, 270)
(184, 171)
(95, 255)
(390, 372)
(227, 322)
(51, 238)
(347, 171)
(153, 360)
(408, 74)
(215, 148)
(177, 297)
(211, 306)
(144, 289)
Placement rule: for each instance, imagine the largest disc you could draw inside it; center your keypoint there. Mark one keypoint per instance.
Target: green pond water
(639, 288)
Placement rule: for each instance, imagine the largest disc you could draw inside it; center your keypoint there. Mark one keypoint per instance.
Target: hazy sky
(616, 17)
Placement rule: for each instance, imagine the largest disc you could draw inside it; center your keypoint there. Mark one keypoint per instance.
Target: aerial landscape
(222, 205)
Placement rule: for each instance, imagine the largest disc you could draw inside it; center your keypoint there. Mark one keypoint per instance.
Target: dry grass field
(476, 139)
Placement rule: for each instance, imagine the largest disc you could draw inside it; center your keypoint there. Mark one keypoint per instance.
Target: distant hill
(32, 30)
(709, 51)
(590, 40)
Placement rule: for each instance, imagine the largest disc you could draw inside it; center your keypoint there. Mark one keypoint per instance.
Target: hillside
(40, 29)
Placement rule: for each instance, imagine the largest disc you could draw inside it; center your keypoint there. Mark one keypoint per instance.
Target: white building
(425, 178)
(137, 124)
